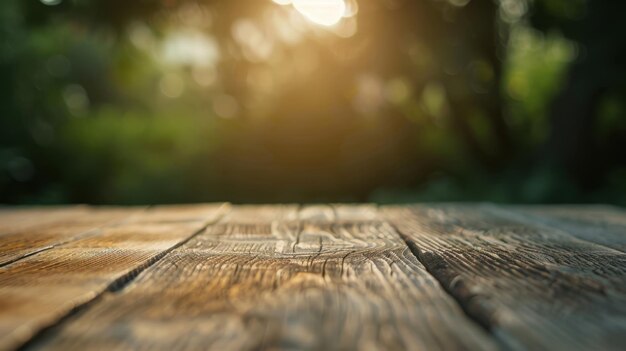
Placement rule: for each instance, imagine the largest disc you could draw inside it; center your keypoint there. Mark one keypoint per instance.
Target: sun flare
(322, 12)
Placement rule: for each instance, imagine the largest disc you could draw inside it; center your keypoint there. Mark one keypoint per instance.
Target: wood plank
(16, 219)
(37, 230)
(604, 225)
(535, 287)
(37, 291)
(278, 278)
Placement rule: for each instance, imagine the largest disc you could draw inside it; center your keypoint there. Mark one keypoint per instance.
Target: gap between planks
(475, 306)
(113, 287)
(72, 224)
(204, 216)
(533, 286)
(311, 252)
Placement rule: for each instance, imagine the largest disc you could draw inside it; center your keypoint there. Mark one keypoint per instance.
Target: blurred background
(390, 101)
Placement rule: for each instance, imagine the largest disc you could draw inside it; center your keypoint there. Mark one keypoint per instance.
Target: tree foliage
(176, 101)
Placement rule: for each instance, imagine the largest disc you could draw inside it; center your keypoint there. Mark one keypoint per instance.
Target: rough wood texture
(39, 289)
(600, 224)
(434, 277)
(26, 232)
(278, 278)
(18, 219)
(533, 286)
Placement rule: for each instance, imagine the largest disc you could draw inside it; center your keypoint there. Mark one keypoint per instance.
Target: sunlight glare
(323, 12)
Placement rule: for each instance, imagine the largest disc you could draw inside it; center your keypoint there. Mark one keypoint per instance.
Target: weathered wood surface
(279, 278)
(534, 286)
(24, 233)
(220, 277)
(37, 290)
(604, 225)
(16, 219)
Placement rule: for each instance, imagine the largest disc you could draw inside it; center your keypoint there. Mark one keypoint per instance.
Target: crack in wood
(531, 286)
(115, 286)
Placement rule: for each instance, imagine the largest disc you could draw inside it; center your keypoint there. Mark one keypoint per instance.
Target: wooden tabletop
(323, 277)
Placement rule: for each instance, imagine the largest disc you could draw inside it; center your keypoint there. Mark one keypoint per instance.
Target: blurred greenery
(163, 101)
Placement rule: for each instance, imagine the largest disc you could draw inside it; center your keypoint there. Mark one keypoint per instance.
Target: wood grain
(35, 292)
(275, 277)
(534, 286)
(14, 219)
(605, 225)
(30, 231)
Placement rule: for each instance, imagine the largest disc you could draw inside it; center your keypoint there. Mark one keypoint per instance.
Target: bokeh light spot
(76, 99)
(323, 12)
(172, 85)
(225, 106)
(51, 2)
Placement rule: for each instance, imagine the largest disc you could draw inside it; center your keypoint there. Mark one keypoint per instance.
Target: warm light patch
(323, 12)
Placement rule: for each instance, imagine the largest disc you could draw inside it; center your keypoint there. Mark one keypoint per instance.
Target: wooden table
(224, 277)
